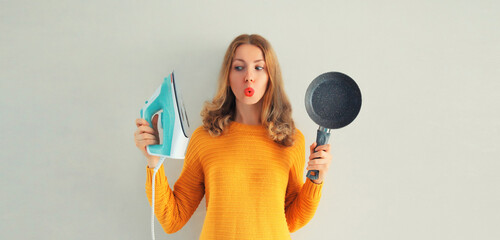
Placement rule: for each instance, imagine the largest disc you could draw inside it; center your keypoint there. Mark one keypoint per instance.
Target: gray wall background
(421, 161)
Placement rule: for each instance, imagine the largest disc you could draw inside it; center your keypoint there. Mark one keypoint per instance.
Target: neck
(248, 114)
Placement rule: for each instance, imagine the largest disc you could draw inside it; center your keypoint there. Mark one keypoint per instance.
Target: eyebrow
(237, 59)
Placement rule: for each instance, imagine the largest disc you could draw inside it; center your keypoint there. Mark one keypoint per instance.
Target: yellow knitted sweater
(254, 187)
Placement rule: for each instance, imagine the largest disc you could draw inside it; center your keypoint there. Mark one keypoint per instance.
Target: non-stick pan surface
(333, 100)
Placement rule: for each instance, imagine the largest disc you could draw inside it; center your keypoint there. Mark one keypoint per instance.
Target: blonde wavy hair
(276, 115)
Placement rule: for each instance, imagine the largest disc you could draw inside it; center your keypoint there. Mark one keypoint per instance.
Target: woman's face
(248, 75)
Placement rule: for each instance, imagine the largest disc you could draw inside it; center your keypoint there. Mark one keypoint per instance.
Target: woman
(247, 157)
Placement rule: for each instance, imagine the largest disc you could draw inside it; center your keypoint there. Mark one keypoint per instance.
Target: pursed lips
(249, 91)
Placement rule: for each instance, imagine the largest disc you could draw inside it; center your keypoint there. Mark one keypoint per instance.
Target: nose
(249, 77)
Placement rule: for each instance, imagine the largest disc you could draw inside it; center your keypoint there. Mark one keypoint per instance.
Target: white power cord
(153, 197)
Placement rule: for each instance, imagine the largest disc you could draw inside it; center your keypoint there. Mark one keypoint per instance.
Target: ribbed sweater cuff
(312, 190)
(160, 178)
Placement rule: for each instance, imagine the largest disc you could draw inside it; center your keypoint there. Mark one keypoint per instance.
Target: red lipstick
(249, 92)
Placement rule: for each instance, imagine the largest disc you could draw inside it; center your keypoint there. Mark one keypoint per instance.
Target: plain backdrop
(421, 161)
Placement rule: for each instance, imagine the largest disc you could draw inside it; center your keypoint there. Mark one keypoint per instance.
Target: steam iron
(172, 119)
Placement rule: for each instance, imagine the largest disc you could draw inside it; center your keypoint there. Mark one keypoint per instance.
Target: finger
(145, 144)
(325, 148)
(143, 124)
(319, 154)
(320, 163)
(149, 142)
(321, 157)
(146, 136)
(149, 130)
(313, 145)
(317, 161)
(140, 122)
(320, 167)
(313, 167)
(145, 129)
(142, 136)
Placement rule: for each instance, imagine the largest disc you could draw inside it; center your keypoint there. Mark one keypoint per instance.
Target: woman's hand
(319, 160)
(144, 136)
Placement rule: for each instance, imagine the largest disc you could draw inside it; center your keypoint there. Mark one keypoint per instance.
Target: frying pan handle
(322, 137)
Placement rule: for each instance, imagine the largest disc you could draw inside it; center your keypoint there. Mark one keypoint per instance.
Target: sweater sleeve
(301, 198)
(174, 208)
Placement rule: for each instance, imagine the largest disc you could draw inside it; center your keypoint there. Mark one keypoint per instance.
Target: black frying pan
(333, 100)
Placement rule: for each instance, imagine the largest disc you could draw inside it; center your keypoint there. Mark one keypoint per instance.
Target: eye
(238, 68)
(259, 68)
